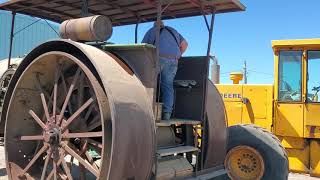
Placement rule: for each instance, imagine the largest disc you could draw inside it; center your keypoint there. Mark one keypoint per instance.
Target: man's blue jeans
(168, 70)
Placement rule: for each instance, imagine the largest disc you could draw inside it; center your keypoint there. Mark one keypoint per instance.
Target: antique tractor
(79, 108)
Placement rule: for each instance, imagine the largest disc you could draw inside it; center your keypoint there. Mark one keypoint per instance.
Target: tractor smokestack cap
(236, 77)
(93, 28)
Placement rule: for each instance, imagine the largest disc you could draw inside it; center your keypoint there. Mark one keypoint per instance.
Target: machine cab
(297, 86)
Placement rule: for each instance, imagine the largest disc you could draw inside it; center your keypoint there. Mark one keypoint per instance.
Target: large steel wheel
(73, 111)
(58, 122)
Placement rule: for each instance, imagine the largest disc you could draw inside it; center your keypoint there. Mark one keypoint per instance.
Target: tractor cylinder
(215, 70)
(215, 73)
(93, 28)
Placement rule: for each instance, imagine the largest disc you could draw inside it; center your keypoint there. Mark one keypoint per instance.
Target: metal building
(28, 33)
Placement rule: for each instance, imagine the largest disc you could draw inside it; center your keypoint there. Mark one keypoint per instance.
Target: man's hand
(183, 46)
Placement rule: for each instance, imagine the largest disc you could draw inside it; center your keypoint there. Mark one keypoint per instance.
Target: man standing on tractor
(171, 46)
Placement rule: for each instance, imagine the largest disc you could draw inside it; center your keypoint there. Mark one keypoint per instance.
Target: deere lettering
(230, 95)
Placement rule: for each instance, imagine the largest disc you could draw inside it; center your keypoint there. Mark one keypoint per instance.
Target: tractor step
(177, 122)
(173, 167)
(176, 150)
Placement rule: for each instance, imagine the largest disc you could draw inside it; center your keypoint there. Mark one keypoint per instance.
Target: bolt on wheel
(57, 121)
(244, 163)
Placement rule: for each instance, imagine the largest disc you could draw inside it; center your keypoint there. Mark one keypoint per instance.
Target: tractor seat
(185, 83)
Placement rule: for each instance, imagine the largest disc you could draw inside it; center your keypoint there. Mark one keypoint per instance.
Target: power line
(258, 72)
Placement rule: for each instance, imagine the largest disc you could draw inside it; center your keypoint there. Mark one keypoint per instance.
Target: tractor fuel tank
(94, 28)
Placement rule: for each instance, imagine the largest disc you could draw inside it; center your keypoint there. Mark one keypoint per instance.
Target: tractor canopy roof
(121, 12)
(295, 44)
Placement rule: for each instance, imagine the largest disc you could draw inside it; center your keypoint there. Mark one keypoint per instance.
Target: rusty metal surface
(125, 111)
(93, 28)
(141, 58)
(217, 135)
(121, 12)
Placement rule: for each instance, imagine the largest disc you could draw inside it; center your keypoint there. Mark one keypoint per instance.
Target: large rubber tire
(264, 142)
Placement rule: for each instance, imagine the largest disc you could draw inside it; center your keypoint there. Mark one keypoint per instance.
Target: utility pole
(245, 72)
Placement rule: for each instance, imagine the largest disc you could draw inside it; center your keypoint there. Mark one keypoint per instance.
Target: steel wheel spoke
(33, 160)
(86, 117)
(64, 85)
(82, 135)
(45, 106)
(54, 170)
(37, 119)
(80, 90)
(55, 89)
(80, 159)
(66, 168)
(77, 113)
(31, 138)
(46, 165)
(65, 103)
(42, 90)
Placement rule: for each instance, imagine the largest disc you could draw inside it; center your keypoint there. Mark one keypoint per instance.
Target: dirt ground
(3, 174)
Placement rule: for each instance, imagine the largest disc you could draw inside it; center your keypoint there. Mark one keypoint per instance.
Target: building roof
(121, 12)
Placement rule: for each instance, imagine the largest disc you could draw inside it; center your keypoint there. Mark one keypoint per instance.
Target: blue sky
(244, 35)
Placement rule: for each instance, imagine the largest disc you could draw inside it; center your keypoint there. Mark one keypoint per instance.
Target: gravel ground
(3, 175)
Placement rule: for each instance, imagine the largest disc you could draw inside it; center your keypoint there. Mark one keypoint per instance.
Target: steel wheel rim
(55, 133)
(244, 163)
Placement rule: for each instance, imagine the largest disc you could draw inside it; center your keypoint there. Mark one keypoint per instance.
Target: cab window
(290, 76)
(313, 80)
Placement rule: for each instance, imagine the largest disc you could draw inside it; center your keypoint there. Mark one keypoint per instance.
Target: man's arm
(183, 46)
(148, 37)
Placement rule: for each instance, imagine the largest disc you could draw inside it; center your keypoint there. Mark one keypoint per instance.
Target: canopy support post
(157, 42)
(136, 33)
(210, 34)
(210, 29)
(11, 37)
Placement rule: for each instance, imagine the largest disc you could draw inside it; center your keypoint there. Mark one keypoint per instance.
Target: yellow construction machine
(290, 108)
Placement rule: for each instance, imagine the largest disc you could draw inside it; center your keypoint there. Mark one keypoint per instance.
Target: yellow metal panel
(289, 120)
(299, 160)
(312, 121)
(258, 110)
(293, 143)
(234, 112)
(315, 158)
(298, 153)
(232, 97)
